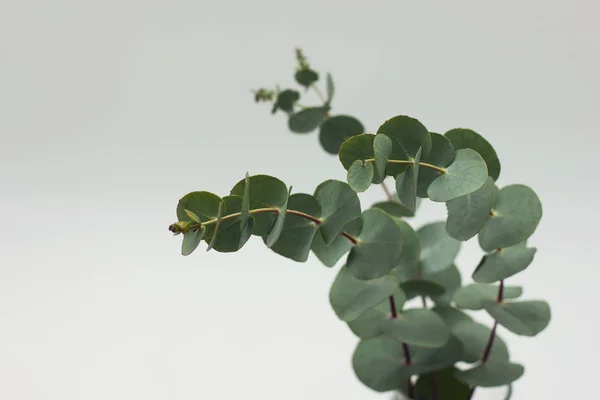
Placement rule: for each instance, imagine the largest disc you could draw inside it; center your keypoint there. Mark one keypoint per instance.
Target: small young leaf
(204, 205)
(339, 205)
(330, 254)
(360, 175)
(442, 155)
(192, 216)
(307, 120)
(382, 149)
(330, 88)
(285, 101)
(191, 240)
(351, 297)
(491, 374)
(475, 295)
(406, 184)
(467, 173)
(438, 249)
(408, 135)
(468, 139)
(503, 263)
(379, 246)
(306, 77)
(525, 318)
(277, 227)
(336, 130)
(467, 214)
(517, 211)
(418, 327)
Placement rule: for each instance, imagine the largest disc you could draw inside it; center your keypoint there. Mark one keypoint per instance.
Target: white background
(112, 110)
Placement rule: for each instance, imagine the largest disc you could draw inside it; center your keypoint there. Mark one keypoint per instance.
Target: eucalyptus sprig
(423, 352)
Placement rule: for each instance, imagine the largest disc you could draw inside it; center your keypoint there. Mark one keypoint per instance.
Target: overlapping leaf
(359, 147)
(406, 184)
(379, 246)
(336, 130)
(491, 374)
(419, 327)
(382, 150)
(407, 135)
(360, 175)
(368, 325)
(329, 254)
(517, 211)
(441, 155)
(449, 279)
(265, 192)
(409, 254)
(308, 119)
(351, 297)
(204, 205)
(475, 295)
(526, 318)
(438, 248)
(503, 263)
(475, 336)
(467, 173)
(298, 233)
(442, 383)
(468, 139)
(467, 214)
(339, 205)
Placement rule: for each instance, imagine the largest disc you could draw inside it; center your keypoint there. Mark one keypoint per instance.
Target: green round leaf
(517, 211)
(466, 174)
(379, 364)
(191, 240)
(408, 135)
(298, 232)
(428, 359)
(368, 325)
(336, 130)
(379, 246)
(307, 120)
(504, 263)
(230, 236)
(438, 249)
(406, 185)
(339, 205)
(430, 386)
(351, 297)
(421, 287)
(265, 191)
(491, 374)
(204, 205)
(330, 254)
(467, 214)
(442, 155)
(285, 101)
(475, 295)
(382, 149)
(359, 147)
(525, 318)
(468, 139)
(451, 316)
(419, 327)
(360, 175)
(474, 337)
(449, 279)
(306, 77)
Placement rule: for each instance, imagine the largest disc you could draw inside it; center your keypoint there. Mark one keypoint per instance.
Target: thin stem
(405, 350)
(319, 93)
(275, 210)
(387, 191)
(490, 343)
(412, 162)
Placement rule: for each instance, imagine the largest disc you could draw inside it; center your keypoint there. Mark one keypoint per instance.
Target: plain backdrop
(112, 110)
